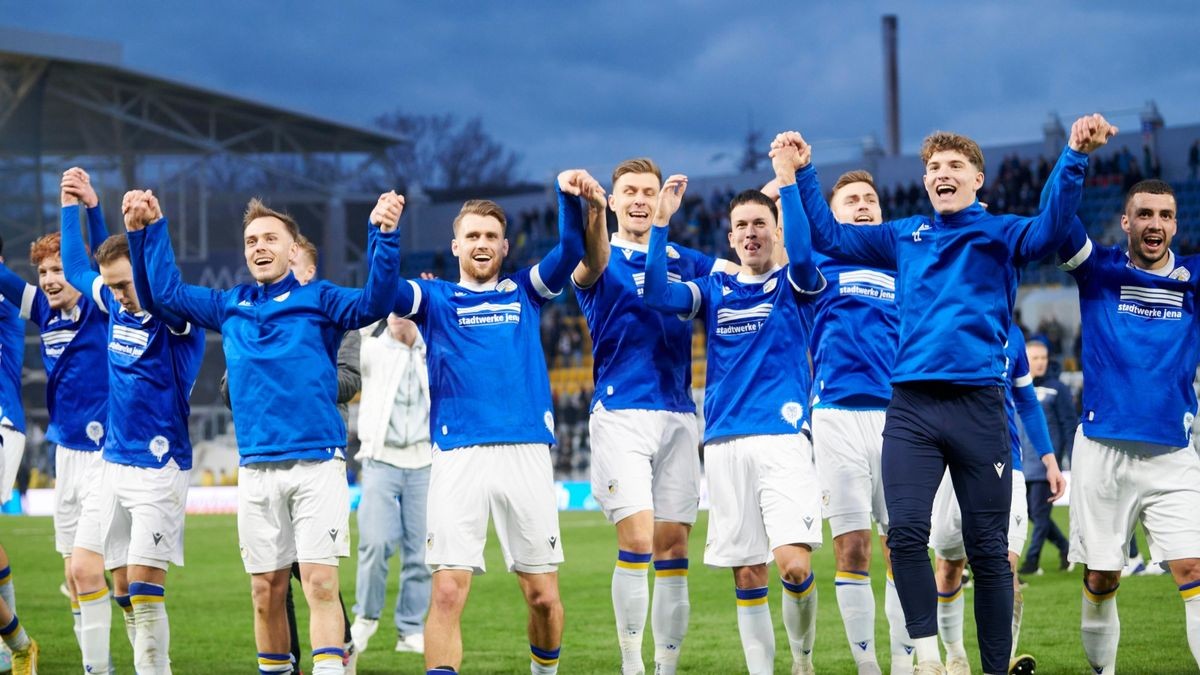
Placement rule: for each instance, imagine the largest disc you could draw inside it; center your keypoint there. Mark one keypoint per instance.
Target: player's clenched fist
(1090, 132)
(387, 211)
(669, 198)
(140, 208)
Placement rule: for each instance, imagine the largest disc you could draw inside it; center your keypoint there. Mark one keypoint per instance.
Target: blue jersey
(1139, 344)
(151, 369)
(854, 336)
(487, 373)
(73, 353)
(641, 359)
(12, 356)
(957, 274)
(280, 342)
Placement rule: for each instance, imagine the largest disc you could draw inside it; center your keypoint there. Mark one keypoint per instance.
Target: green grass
(210, 611)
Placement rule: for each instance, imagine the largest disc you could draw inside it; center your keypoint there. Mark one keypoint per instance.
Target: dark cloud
(588, 85)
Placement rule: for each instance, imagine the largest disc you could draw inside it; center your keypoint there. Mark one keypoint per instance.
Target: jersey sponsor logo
(56, 341)
(1151, 303)
(159, 447)
(867, 284)
(489, 314)
(916, 235)
(792, 412)
(742, 321)
(129, 341)
(639, 279)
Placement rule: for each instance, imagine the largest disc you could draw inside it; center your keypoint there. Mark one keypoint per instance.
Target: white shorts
(293, 511)
(848, 445)
(10, 460)
(763, 493)
(146, 523)
(645, 460)
(77, 474)
(945, 534)
(1112, 489)
(512, 483)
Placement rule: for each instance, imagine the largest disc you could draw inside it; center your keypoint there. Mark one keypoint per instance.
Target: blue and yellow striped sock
(543, 661)
(950, 610)
(1190, 592)
(631, 599)
(670, 612)
(270, 664)
(328, 661)
(755, 629)
(1100, 627)
(6, 589)
(14, 635)
(800, 617)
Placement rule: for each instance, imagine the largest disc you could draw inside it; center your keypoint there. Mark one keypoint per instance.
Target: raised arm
(201, 306)
(79, 183)
(76, 192)
(552, 271)
(595, 243)
(351, 309)
(875, 246)
(658, 291)
(802, 271)
(16, 291)
(1056, 226)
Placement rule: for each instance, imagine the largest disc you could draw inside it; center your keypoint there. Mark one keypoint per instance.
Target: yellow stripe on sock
(952, 598)
(671, 573)
(851, 576)
(1098, 597)
(751, 602)
(1190, 593)
(74, 606)
(6, 580)
(802, 594)
(890, 577)
(273, 662)
(539, 660)
(633, 565)
(94, 595)
(143, 599)
(326, 657)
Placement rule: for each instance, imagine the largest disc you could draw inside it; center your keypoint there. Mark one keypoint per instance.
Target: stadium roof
(72, 96)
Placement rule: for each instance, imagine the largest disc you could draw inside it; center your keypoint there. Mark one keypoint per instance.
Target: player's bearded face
(59, 294)
(269, 249)
(752, 229)
(1149, 221)
(951, 181)
(480, 247)
(633, 198)
(856, 203)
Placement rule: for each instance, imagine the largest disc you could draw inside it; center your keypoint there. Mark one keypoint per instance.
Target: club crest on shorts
(792, 412)
(159, 447)
(245, 553)
(429, 542)
(613, 485)
(825, 497)
(95, 431)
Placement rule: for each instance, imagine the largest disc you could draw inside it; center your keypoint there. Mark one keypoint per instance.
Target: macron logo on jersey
(1151, 303)
(639, 280)
(489, 314)
(867, 284)
(742, 321)
(130, 341)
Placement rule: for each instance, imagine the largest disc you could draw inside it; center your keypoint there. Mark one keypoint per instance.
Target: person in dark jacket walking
(1061, 420)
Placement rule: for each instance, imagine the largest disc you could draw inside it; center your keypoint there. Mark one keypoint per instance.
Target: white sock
(543, 661)
(328, 661)
(950, 623)
(631, 599)
(7, 593)
(901, 644)
(269, 664)
(757, 632)
(800, 617)
(77, 619)
(152, 633)
(127, 612)
(1018, 611)
(1101, 628)
(95, 624)
(857, 605)
(14, 635)
(1191, 609)
(669, 613)
(927, 649)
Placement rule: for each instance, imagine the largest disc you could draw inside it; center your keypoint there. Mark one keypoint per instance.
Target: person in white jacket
(393, 428)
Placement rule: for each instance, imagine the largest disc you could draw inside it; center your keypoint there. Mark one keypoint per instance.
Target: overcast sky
(568, 84)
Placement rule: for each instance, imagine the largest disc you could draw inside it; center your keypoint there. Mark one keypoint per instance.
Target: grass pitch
(211, 616)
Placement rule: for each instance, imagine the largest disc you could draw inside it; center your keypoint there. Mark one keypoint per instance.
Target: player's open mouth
(53, 291)
(1152, 241)
(262, 261)
(752, 246)
(945, 189)
(639, 214)
(481, 257)
(862, 218)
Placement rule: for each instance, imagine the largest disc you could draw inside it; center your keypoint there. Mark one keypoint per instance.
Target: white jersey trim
(695, 301)
(816, 291)
(535, 277)
(1080, 256)
(720, 265)
(97, 287)
(27, 300)
(416, 297)
(1023, 381)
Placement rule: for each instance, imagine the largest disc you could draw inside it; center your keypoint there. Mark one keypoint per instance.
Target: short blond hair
(308, 248)
(636, 165)
(256, 209)
(939, 141)
(856, 176)
(481, 207)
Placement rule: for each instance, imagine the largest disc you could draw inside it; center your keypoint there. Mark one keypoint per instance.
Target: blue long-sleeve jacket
(957, 273)
(280, 342)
